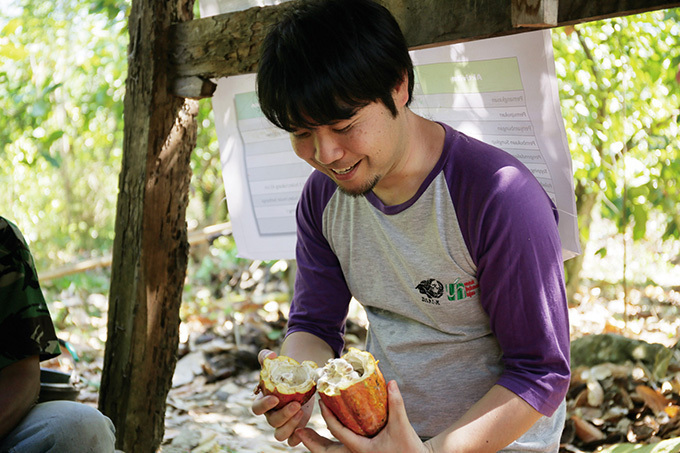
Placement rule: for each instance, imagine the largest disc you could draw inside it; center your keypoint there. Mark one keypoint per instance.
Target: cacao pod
(354, 389)
(287, 379)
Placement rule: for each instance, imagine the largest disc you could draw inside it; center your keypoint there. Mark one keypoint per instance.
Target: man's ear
(400, 92)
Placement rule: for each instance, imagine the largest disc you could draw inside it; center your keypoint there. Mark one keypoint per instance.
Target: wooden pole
(150, 250)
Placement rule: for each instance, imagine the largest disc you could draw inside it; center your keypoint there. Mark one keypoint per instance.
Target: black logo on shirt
(431, 289)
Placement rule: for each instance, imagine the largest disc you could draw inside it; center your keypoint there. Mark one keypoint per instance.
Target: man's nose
(327, 148)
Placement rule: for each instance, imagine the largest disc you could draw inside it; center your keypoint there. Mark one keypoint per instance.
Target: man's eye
(344, 130)
(300, 134)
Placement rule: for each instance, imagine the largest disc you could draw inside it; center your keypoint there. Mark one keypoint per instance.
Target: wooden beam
(228, 44)
(534, 13)
(224, 44)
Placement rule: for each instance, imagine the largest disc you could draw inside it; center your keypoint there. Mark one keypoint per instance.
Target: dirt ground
(208, 408)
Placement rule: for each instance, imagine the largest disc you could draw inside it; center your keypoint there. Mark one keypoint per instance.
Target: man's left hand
(397, 436)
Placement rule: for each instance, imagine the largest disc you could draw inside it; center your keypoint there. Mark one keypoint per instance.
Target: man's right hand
(287, 419)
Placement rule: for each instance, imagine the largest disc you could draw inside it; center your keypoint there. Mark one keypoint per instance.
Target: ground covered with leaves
(624, 394)
(625, 384)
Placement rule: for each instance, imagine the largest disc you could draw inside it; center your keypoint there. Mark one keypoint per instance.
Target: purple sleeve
(510, 228)
(321, 297)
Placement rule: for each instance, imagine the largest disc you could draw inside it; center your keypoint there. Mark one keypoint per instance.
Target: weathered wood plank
(534, 13)
(228, 44)
(224, 44)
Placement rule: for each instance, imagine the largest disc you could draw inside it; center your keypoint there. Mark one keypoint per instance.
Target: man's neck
(424, 142)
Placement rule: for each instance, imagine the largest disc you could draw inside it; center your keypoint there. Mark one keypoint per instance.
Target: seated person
(26, 337)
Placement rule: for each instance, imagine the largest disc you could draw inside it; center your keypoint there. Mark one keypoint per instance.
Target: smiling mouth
(344, 171)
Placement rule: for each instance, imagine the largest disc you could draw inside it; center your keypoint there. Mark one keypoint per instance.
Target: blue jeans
(59, 427)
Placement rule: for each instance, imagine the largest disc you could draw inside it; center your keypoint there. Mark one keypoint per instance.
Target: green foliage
(620, 98)
(96, 281)
(208, 205)
(62, 81)
(63, 67)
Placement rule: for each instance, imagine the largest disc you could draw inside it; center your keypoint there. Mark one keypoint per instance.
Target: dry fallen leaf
(672, 410)
(595, 393)
(653, 399)
(586, 431)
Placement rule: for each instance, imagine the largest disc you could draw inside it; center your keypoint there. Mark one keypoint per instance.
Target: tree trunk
(150, 247)
(585, 202)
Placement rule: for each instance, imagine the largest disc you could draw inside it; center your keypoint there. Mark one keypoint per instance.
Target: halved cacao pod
(287, 379)
(354, 389)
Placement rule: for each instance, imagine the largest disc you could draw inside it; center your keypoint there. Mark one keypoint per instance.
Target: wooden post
(150, 250)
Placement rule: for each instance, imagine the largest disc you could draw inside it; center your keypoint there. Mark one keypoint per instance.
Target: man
(26, 337)
(450, 244)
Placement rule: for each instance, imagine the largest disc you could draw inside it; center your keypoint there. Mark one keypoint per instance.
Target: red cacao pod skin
(299, 384)
(361, 406)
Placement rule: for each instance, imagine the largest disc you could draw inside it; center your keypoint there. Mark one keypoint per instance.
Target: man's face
(357, 153)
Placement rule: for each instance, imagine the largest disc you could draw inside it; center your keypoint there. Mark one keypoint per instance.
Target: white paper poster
(503, 91)
(263, 177)
(499, 90)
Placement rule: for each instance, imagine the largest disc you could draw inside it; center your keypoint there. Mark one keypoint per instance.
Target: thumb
(395, 403)
(264, 353)
(312, 440)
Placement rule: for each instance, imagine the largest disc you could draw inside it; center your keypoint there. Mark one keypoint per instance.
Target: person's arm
(305, 346)
(491, 424)
(19, 390)
(495, 421)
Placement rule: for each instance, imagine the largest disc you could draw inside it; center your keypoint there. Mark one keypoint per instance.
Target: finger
(264, 404)
(283, 415)
(294, 439)
(395, 402)
(312, 440)
(345, 435)
(265, 353)
(331, 420)
(307, 411)
(286, 430)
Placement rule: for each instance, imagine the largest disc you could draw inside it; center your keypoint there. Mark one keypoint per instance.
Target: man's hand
(397, 436)
(287, 419)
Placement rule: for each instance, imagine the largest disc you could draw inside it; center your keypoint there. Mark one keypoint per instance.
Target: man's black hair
(328, 58)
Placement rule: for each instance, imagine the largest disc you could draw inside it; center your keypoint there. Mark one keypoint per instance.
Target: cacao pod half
(287, 379)
(354, 389)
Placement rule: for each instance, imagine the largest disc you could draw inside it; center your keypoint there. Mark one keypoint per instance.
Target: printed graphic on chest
(432, 291)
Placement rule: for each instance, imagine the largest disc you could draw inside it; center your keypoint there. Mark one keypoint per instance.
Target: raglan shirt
(462, 285)
(26, 328)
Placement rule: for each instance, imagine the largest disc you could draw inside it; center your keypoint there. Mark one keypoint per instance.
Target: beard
(361, 191)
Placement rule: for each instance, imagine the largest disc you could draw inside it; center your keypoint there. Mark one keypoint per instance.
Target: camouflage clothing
(26, 328)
